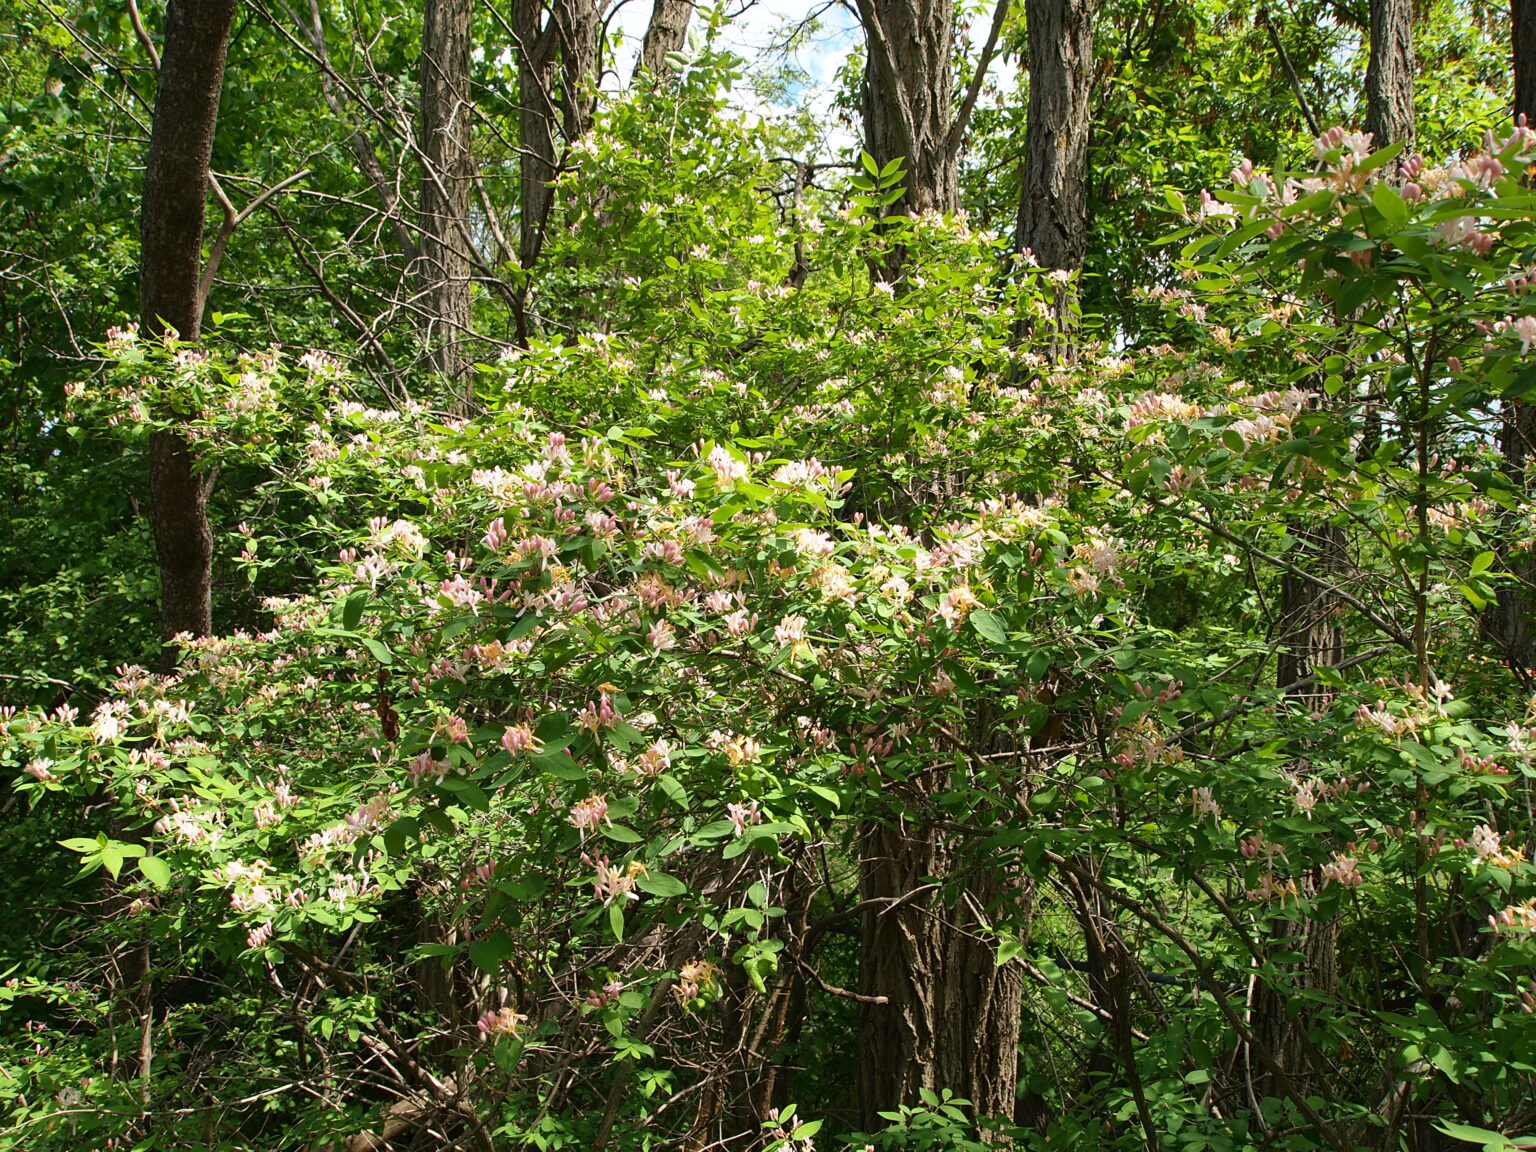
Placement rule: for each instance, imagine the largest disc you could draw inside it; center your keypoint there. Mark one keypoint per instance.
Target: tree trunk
(951, 1016)
(908, 97)
(446, 184)
(1511, 621)
(579, 29)
(666, 33)
(176, 174)
(1523, 52)
(1389, 76)
(1052, 226)
(564, 46)
(1311, 634)
(1282, 1014)
(901, 960)
(1053, 199)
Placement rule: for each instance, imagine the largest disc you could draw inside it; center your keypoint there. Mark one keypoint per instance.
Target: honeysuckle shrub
(551, 782)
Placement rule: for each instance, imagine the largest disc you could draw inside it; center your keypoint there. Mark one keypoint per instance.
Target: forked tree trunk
(908, 98)
(1389, 75)
(447, 173)
(937, 1011)
(666, 33)
(176, 174)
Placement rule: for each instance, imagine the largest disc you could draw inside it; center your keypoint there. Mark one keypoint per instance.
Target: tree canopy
(599, 597)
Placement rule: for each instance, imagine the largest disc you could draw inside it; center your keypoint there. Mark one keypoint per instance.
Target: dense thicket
(571, 616)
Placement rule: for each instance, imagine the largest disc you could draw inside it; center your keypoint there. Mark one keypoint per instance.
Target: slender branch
(143, 34)
(962, 121)
(1290, 71)
(233, 220)
(832, 990)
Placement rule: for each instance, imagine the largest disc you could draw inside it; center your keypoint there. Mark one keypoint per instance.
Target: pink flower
(727, 468)
(612, 884)
(654, 760)
(595, 717)
(790, 630)
(743, 816)
(519, 738)
(501, 1022)
(589, 814)
(1343, 871)
(740, 622)
(496, 535)
(1205, 804)
(662, 636)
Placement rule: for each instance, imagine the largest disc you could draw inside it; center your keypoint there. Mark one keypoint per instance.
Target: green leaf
(1491, 1141)
(1393, 208)
(660, 884)
(380, 651)
(156, 871)
(352, 612)
(487, 954)
(989, 625)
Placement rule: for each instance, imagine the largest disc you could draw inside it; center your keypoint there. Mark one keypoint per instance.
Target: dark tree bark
(1312, 635)
(1511, 620)
(667, 32)
(1523, 52)
(1285, 1008)
(1389, 76)
(446, 184)
(1053, 199)
(176, 175)
(557, 61)
(908, 97)
(938, 1011)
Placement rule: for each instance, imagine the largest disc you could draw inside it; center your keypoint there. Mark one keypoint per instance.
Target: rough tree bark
(1052, 225)
(1312, 635)
(937, 1012)
(1511, 621)
(1053, 198)
(1389, 76)
(666, 33)
(557, 54)
(1523, 53)
(446, 184)
(949, 1016)
(176, 175)
(908, 97)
